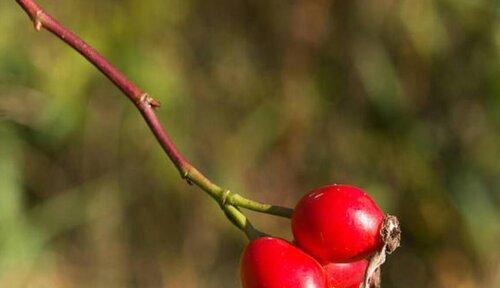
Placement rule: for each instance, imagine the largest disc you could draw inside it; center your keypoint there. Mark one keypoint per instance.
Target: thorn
(38, 25)
(37, 20)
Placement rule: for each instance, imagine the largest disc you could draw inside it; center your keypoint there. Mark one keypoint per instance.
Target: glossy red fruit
(269, 262)
(337, 223)
(345, 275)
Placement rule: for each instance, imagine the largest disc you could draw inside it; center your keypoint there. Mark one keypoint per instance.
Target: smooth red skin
(345, 275)
(337, 223)
(269, 262)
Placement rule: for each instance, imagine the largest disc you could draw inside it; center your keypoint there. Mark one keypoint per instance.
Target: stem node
(185, 175)
(224, 197)
(145, 98)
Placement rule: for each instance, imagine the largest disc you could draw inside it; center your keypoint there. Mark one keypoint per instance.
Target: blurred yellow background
(269, 99)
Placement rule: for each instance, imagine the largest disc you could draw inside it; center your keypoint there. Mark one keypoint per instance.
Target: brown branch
(141, 99)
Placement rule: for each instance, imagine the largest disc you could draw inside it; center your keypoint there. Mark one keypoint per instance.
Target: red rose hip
(269, 262)
(345, 275)
(338, 223)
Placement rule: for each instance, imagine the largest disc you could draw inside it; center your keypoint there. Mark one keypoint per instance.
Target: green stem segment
(223, 196)
(243, 202)
(240, 221)
(145, 104)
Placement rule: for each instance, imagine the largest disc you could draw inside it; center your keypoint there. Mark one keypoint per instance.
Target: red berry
(345, 275)
(338, 223)
(269, 262)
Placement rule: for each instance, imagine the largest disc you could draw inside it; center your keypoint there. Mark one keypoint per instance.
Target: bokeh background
(269, 99)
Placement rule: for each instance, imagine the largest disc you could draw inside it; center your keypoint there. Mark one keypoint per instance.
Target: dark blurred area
(267, 98)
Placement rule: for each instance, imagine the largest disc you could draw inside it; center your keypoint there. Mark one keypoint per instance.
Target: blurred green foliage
(270, 99)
